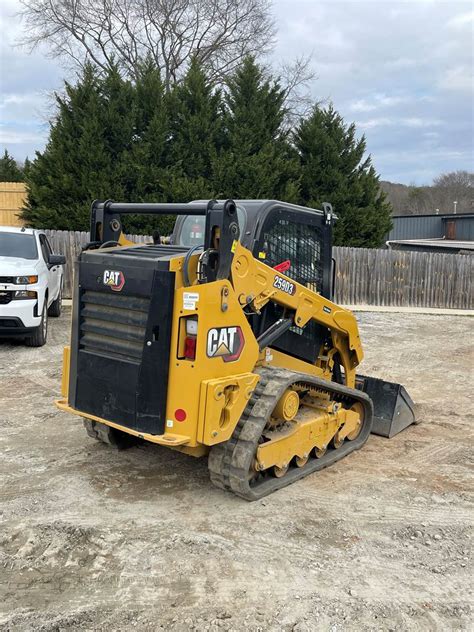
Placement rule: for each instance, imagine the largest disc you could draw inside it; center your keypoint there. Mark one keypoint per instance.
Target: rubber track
(230, 462)
(106, 434)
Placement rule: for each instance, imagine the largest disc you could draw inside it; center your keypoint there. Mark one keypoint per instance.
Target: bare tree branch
(122, 32)
(296, 78)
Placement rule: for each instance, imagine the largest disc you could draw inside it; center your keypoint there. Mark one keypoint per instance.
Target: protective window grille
(301, 245)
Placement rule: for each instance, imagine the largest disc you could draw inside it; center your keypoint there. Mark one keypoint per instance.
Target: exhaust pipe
(394, 409)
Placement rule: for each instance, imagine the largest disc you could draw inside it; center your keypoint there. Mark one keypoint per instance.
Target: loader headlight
(24, 294)
(25, 280)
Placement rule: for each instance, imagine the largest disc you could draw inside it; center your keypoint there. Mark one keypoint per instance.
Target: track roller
(319, 452)
(301, 461)
(337, 441)
(279, 472)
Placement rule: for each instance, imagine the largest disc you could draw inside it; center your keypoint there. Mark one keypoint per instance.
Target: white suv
(31, 284)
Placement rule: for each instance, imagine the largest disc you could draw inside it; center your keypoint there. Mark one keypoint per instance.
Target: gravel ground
(96, 539)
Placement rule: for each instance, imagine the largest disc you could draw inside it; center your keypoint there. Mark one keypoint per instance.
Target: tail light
(191, 338)
(190, 348)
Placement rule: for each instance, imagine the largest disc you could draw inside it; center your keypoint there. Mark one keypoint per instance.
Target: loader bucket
(393, 407)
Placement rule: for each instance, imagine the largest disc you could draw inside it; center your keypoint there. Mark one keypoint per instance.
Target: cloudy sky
(403, 71)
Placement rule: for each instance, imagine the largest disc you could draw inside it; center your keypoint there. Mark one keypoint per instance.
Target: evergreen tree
(149, 146)
(84, 157)
(9, 170)
(26, 168)
(195, 130)
(147, 162)
(334, 169)
(116, 116)
(256, 160)
(114, 139)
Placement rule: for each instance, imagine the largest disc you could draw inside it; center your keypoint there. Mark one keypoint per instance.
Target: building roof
(442, 216)
(441, 244)
(445, 218)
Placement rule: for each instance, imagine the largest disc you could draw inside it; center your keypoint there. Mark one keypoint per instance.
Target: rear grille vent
(113, 325)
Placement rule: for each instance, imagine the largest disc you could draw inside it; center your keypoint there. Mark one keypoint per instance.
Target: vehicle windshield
(19, 245)
(192, 229)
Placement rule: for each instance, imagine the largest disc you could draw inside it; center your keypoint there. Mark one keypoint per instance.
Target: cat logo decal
(225, 342)
(114, 279)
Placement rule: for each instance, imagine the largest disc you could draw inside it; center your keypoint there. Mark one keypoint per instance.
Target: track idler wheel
(287, 406)
(359, 409)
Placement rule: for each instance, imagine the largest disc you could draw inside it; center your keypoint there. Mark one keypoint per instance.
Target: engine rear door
(120, 343)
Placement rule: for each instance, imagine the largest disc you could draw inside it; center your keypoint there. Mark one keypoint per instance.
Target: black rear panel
(121, 336)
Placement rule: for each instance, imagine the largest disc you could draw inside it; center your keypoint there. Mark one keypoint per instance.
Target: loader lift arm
(256, 284)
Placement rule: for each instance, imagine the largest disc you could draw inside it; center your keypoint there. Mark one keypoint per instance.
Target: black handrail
(151, 208)
(105, 215)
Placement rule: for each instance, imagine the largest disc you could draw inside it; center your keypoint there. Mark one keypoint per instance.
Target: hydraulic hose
(187, 258)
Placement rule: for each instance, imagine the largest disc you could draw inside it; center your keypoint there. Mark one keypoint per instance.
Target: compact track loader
(224, 343)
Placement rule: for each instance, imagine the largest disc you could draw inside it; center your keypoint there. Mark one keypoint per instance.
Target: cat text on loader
(231, 348)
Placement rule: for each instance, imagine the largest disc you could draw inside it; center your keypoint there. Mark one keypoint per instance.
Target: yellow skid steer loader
(223, 343)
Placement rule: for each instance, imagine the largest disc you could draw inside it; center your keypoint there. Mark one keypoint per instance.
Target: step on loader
(225, 343)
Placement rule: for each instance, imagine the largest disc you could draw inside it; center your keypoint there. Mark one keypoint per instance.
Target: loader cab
(276, 232)
(292, 238)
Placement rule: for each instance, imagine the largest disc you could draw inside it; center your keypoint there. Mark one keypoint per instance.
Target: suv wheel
(38, 338)
(55, 307)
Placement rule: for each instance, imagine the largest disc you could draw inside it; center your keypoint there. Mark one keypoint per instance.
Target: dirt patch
(95, 539)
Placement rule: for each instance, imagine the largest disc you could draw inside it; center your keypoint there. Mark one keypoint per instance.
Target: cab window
(19, 245)
(298, 245)
(45, 248)
(193, 228)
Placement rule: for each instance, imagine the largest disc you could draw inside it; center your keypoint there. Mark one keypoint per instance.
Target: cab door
(300, 242)
(53, 271)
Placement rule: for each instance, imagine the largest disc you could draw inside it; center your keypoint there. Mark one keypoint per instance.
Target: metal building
(442, 233)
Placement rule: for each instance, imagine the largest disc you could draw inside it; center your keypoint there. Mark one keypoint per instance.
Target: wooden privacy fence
(12, 198)
(364, 276)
